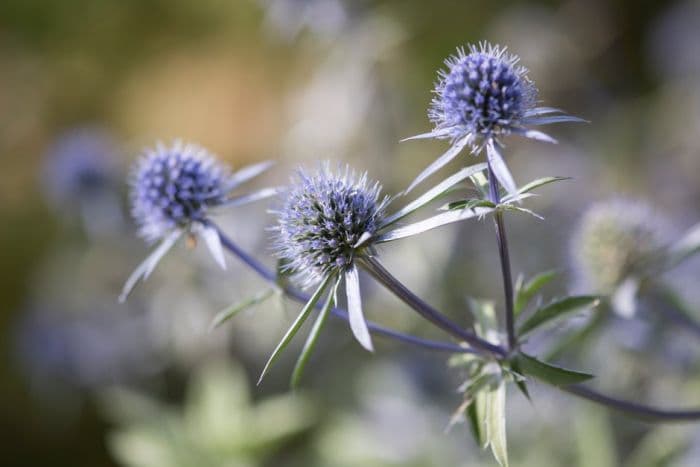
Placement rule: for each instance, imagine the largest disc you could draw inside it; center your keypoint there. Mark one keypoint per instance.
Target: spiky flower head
(483, 92)
(482, 95)
(173, 190)
(175, 186)
(615, 240)
(324, 216)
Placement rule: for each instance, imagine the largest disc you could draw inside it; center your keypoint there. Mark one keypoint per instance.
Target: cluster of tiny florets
(174, 186)
(614, 240)
(483, 93)
(323, 217)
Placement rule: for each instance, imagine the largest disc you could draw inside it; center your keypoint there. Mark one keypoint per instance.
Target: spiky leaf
(557, 310)
(551, 374)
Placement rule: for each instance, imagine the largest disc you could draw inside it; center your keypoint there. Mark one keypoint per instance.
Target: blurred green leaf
(595, 439)
(477, 419)
(557, 310)
(231, 311)
(217, 426)
(525, 292)
(496, 423)
(548, 373)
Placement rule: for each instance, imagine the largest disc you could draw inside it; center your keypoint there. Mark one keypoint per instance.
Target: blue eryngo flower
(616, 244)
(174, 189)
(79, 177)
(327, 221)
(485, 94)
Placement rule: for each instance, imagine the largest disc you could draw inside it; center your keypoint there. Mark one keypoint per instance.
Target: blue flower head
(326, 221)
(325, 218)
(174, 187)
(173, 190)
(484, 92)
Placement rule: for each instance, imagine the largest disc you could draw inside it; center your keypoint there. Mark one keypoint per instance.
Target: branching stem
(648, 413)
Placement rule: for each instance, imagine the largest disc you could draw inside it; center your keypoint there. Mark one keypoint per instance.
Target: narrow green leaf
(229, 312)
(469, 203)
(536, 184)
(556, 310)
(525, 292)
(496, 423)
(478, 419)
(474, 421)
(311, 340)
(295, 325)
(554, 375)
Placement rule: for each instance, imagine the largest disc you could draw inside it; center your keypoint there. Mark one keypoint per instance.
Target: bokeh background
(86, 84)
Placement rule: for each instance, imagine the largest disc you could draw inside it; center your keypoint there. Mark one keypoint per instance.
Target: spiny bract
(484, 92)
(174, 186)
(324, 216)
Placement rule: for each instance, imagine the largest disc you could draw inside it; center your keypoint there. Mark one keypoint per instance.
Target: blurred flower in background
(81, 177)
(617, 240)
(60, 349)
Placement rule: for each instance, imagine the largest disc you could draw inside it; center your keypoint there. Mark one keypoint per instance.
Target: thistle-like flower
(485, 94)
(615, 244)
(326, 222)
(173, 191)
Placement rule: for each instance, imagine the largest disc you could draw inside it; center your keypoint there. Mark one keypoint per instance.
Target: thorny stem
(505, 259)
(301, 297)
(648, 413)
(374, 267)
